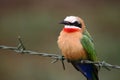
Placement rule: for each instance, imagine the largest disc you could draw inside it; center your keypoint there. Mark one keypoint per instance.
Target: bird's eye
(77, 24)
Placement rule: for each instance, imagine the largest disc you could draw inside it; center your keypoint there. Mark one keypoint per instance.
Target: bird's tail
(90, 71)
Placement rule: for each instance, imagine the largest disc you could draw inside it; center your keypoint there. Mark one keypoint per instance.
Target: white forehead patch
(71, 19)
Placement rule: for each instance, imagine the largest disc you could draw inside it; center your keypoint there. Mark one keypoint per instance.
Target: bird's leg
(62, 60)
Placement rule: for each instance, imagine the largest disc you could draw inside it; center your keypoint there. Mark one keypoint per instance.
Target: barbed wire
(20, 48)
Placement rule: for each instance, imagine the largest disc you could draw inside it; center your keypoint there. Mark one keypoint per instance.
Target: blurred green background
(36, 21)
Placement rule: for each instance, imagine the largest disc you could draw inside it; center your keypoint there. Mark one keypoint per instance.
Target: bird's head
(73, 22)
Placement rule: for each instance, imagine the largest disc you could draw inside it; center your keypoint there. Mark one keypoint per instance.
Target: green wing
(88, 45)
(87, 34)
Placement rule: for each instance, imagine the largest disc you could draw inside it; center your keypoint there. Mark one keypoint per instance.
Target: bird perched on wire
(76, 44)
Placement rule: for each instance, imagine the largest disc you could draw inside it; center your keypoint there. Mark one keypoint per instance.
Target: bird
(76, 44)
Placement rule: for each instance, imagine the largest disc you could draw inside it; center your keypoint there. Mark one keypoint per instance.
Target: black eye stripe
(75, 24)
(71, 24)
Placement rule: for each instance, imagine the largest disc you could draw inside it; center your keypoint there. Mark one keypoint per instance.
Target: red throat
(70, 30)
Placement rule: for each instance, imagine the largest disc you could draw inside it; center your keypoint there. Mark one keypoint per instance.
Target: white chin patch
(68, 26)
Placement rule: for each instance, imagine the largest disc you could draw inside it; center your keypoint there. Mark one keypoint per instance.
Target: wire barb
(22, 50)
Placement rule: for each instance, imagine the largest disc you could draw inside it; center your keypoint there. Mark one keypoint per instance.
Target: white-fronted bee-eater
(76, 44)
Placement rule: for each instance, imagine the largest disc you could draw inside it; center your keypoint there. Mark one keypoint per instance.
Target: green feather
(88, 45)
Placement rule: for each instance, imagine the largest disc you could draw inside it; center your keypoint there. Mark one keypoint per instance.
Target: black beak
(64, 22)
